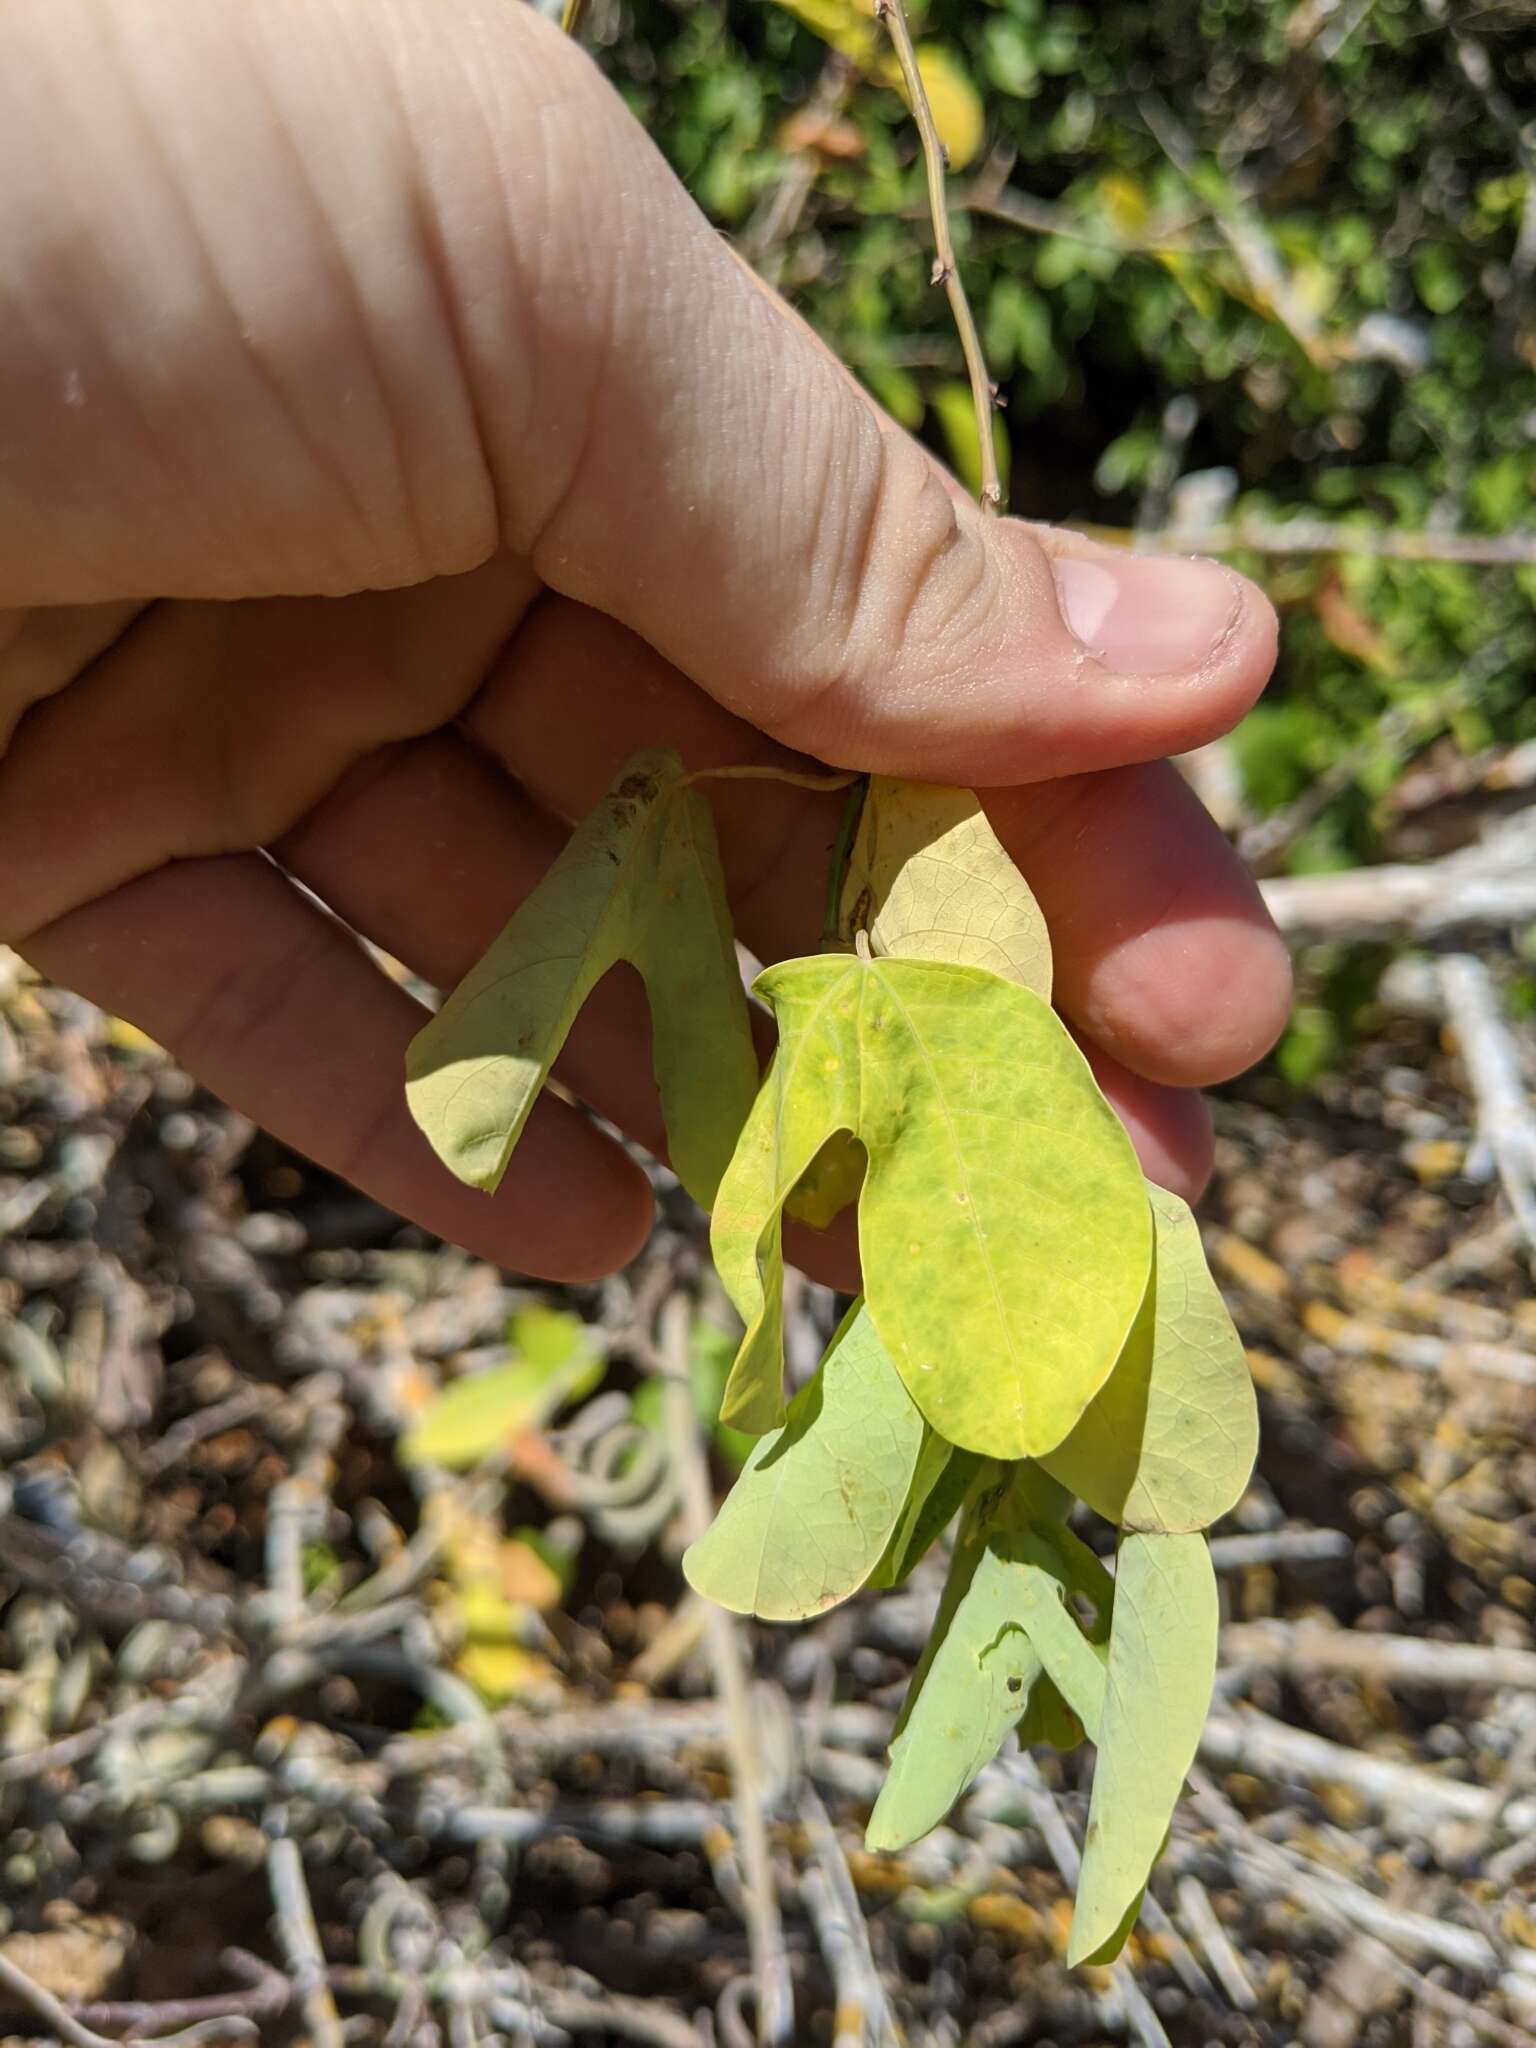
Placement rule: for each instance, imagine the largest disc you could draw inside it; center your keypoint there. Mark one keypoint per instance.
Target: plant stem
(837, 867)
(935, 159)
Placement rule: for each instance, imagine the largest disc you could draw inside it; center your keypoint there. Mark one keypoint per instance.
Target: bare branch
(935, 160)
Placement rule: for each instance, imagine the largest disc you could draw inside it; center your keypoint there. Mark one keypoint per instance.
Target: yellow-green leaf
(1162, 1665)
(1003, 1223)
(1168, 1442)
(813, 1510)
(970, 1686)
(830, 1184)
(928, 879)
(487, 1411)
(638, 881)
(977, 1673)
(958, 111)
(850, 26)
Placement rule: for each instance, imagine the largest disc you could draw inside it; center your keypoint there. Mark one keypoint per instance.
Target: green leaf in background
(1169, 1440)
(711, 1351)
(486, 1411)
(638, 881)
(996, 1170)
(939, 1486)
(928, 879)
(975, 1676)
(851, 28)
(813, 1510)
(1162, 1665)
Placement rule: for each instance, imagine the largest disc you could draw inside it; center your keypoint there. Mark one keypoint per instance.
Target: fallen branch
(1492, 883)
(1251, 1741)
(765, 1932)
(1301, 1648)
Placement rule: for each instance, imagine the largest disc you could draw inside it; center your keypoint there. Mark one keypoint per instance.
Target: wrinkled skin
(390, 448)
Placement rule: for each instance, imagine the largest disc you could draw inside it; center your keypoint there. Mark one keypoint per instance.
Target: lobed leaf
(1169, 1441)
(1162, 1665)
(969, 1687)
(816, 1503)
(1003, 1223)
(978, 1673)
(929, 879)
(639, 881)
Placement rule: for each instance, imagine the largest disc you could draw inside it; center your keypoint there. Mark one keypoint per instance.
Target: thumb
(739, 503)
(386, 285)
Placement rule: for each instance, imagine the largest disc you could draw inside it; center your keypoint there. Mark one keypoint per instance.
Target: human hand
(389, 450)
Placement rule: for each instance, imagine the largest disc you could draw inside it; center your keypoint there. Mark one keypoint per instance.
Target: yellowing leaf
(928, 879)
(502, 1672)
(808, 1519)
(850, 26)
(1169, 1440)
(638, 881)
(487, 1411)
(958, 112)
(831, 1183)
(1162, 1665)
(1003, 1223)
(844, 24)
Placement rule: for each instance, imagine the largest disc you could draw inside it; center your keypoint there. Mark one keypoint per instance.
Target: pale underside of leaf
(1003, 1225)
(939, 1485)
(928, 879)
(982, 1664)
(816, 1503)
(967, 1692)
(1162, 1665)
(638, 881)
(1169, 1441)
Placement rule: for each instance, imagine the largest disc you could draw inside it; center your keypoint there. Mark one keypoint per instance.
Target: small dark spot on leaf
(1015, 1685)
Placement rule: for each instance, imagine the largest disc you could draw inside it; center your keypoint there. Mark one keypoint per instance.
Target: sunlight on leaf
(928, 879)
(997, 1172)
(1162, 1665)
(1169, 1441)
(638, 881)
(813, 1510)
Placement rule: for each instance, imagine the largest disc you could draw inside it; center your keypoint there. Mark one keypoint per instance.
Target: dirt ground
(301, 1742)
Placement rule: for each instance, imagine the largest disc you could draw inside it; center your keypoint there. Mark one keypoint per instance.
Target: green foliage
(1038, 1323)
(556, 1363)
(818, 1501)
(711, 1354)
(1162, 1664)
(1169, 1440)
(1307, 226)
(640, 881)
(1033, 1257)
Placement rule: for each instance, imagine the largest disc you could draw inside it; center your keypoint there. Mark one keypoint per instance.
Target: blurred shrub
(1235, 259)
